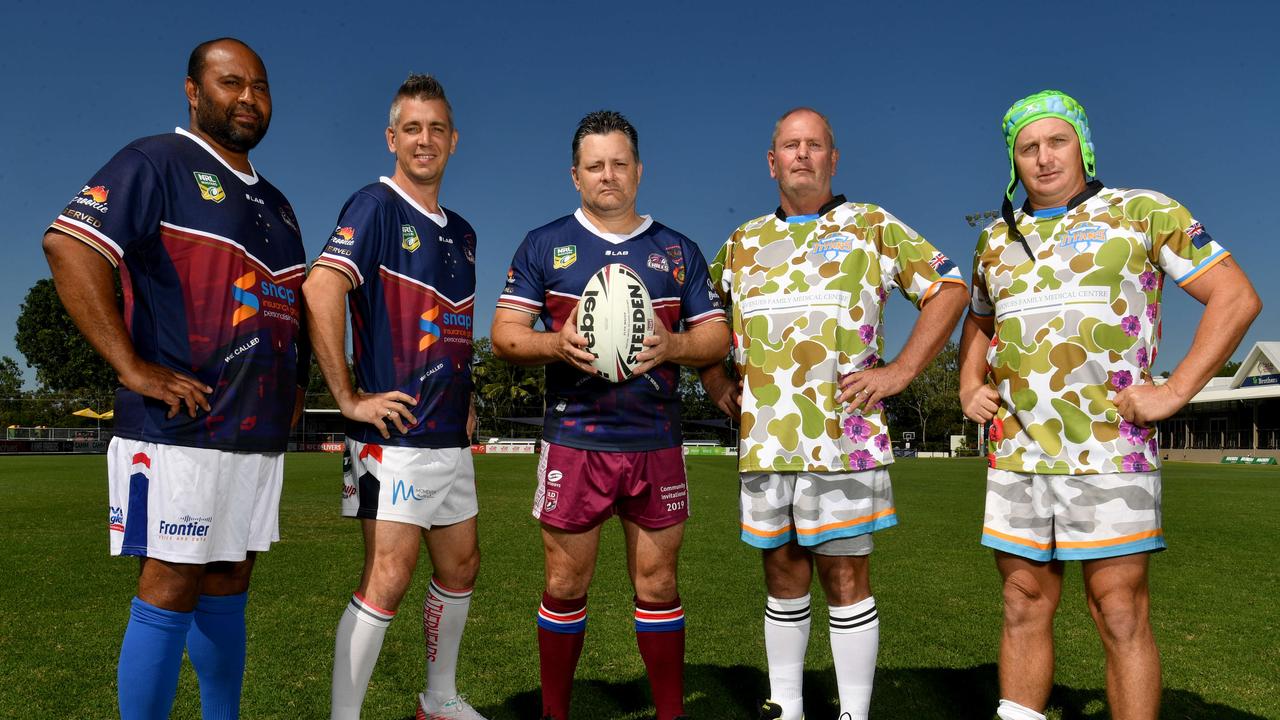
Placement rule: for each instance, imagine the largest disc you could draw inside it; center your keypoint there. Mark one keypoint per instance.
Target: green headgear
(1047, 103)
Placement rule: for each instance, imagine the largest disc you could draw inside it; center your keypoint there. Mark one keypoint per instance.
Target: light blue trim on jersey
(1201, 266)
(802, 218)
(1154, 544)
(887, 521)
(1050, 212)
(996, 543)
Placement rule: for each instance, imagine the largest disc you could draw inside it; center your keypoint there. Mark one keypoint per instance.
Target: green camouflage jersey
(1080, 324)
(808, 297)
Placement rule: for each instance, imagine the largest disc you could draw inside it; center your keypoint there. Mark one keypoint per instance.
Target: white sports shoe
(455, 708)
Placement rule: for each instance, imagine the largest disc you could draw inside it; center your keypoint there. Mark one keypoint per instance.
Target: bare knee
(656, 584)
(1121, 615)
(460, 574)
(1027, 603)
(386, 582)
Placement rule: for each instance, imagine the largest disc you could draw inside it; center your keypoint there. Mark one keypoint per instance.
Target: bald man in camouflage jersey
(807, 285)
(1056, 355)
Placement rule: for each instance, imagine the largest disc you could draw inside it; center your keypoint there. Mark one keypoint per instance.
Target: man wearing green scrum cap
(1056, 354)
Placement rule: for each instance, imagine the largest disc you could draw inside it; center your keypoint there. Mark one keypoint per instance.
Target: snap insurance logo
(427, 324)
(242, 292)
(210, 188)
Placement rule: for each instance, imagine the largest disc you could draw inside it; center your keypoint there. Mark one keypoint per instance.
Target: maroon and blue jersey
(547, 276)
(413, 279)
(211, 263)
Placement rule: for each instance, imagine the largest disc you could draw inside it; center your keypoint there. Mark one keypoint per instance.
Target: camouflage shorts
(813, 508)
(1072, 517)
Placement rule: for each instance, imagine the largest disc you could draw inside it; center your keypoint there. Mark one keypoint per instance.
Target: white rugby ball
(615, 314)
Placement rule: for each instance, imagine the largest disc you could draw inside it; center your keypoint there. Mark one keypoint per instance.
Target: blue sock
(216, 646)
(150, 657)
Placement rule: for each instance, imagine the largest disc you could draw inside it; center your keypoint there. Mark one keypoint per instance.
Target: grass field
(64, 603)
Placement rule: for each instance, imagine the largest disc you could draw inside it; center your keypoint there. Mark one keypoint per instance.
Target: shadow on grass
(717, 692)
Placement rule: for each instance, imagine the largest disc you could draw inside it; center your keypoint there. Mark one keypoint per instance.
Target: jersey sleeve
(526, 288)
(1180, 246)
(122, 204)
(916, 267)
(699, 301)
(721, 271)
(979, 296)
(353, 248)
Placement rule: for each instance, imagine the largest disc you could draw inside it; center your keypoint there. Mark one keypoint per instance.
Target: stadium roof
(1257, 378)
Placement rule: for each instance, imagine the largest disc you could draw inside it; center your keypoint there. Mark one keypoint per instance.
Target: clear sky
(1182, 97)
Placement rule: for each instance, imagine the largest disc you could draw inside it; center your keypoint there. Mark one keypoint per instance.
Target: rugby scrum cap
(1047, 103)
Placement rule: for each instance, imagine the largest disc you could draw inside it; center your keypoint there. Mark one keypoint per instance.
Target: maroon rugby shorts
(579, 489)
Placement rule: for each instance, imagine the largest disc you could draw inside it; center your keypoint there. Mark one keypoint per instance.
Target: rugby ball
(615, 315)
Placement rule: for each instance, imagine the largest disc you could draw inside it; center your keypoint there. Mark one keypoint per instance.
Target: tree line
(70, 376)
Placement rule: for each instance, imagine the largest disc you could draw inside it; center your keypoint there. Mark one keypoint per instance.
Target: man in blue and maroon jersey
(406, 266)
(609, 448)
(210, 353)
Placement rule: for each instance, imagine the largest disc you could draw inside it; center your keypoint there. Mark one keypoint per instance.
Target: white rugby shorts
(814, 507)
(191, 505)
(420, 486)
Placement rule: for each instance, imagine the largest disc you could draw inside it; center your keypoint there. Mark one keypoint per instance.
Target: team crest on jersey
(409, 238)
(658, 261)
(286, 214)
(242, 292)
(210, 188)
(1083, 237)
(469, 248)
(833, 248)
(564, 256)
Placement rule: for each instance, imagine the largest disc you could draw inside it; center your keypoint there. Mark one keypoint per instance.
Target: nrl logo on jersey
(564, 256)
(409, 238)
(210, 188)
(1082, 237)
(833, 248)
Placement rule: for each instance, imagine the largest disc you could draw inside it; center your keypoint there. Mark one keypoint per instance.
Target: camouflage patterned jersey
(1080, 324)
(808, 296)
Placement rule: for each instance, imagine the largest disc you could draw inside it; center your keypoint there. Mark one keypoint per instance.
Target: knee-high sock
(786, 638)
(216, 645)
(562, 625)
(147, 676)
(855, 640)
(660, 635)
(355, 652)
(1010, 710)
(444, 615)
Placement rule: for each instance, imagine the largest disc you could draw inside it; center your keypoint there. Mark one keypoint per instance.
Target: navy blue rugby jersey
(212, 263)
(413, 275)
(551, 268)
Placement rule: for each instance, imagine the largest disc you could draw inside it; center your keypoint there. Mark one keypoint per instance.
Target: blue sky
(1182, 97)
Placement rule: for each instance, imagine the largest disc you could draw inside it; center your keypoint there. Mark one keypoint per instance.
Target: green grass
(64, 603)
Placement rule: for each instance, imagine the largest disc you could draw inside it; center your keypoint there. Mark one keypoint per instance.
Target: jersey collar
(613, 238)
(249, 179)
(830, 205)
(438, 218)
(1091, 188)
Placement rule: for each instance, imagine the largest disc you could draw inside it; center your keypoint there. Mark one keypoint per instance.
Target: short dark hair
(196, 63)
(831, 136)
(603, 122)
(418, 87)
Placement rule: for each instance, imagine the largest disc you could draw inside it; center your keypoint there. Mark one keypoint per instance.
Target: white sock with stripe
(444, 615)
(1010, 710)
(356, 649)
(786, 639)
(855, 641)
